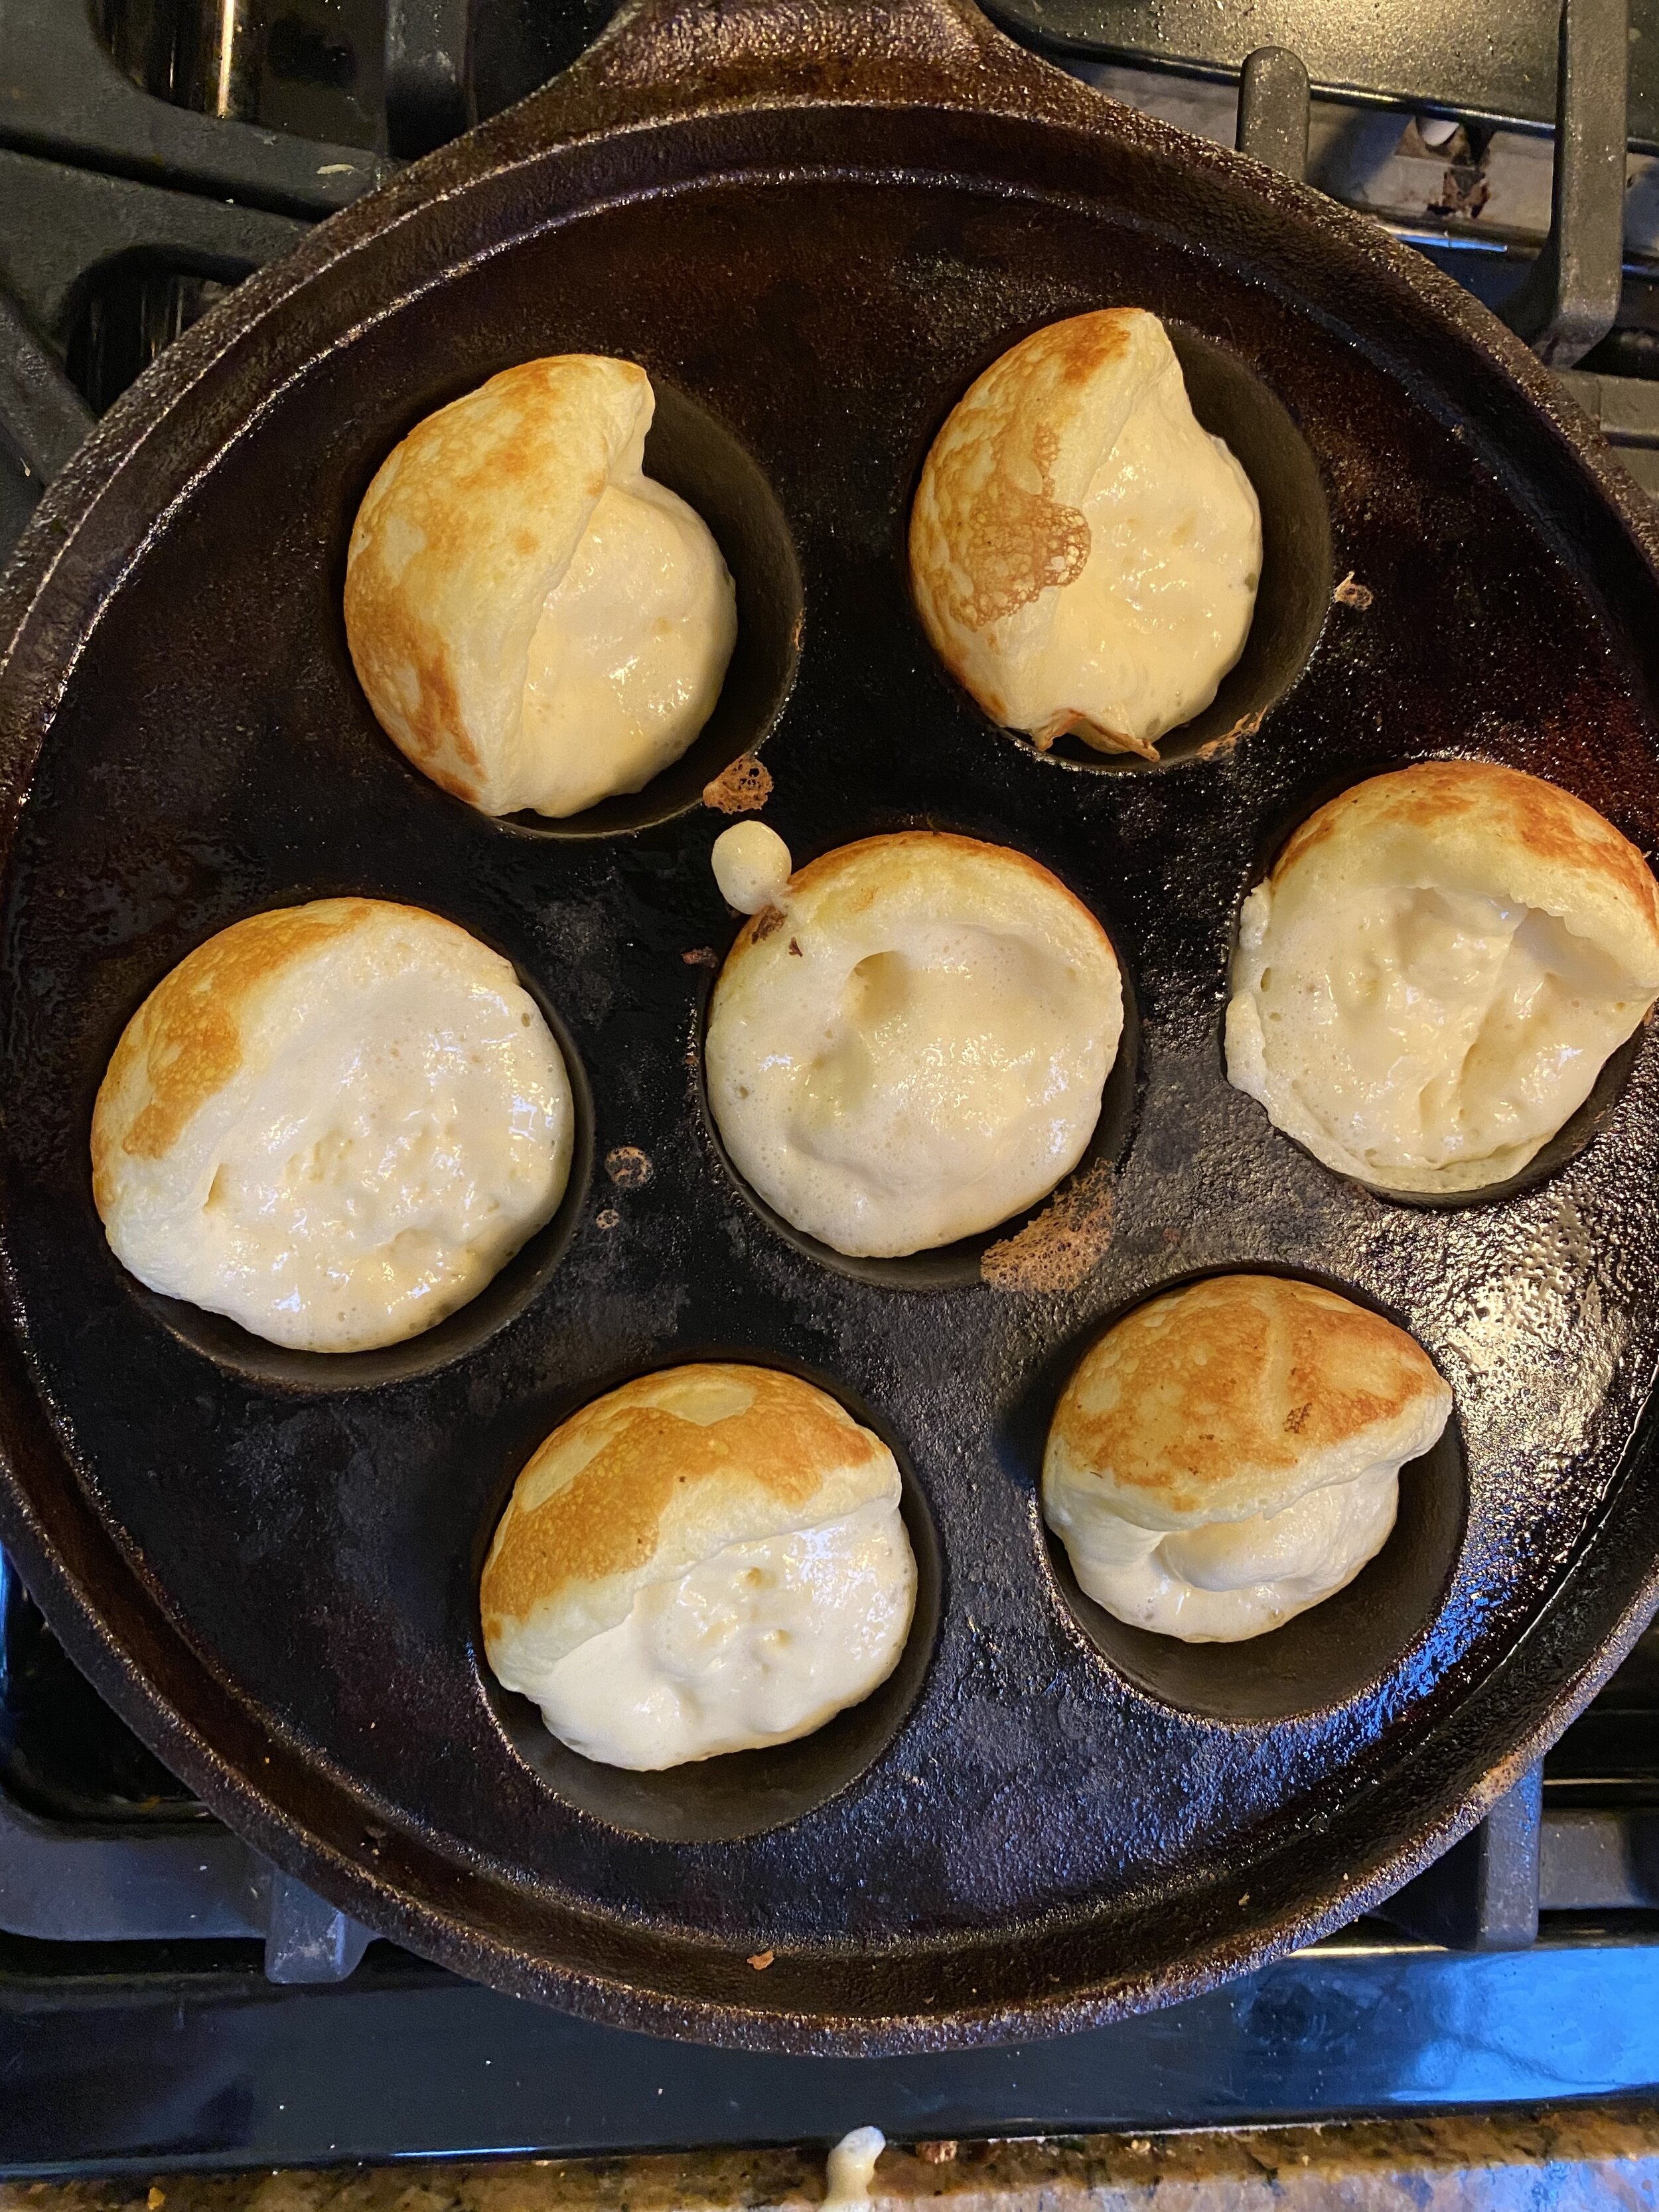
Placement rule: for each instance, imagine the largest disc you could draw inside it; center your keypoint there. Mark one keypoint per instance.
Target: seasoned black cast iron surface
(276, 1575)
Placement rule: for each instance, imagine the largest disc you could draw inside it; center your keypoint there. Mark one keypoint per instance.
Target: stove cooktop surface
(167, 1999)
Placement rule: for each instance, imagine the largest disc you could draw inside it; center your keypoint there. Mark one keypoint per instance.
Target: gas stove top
(166, 1998)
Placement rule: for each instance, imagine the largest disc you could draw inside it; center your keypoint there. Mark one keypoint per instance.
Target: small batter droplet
(752, 865)
(851, 2170)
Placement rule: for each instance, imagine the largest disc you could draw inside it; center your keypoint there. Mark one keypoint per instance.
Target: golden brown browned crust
(186, 1036)
(1247, 1371)
(608, 1521)
(457, 470)
(445, 503)
(1076, 349)
(1012, 544)
(1545, 820)
(384, 633)
(446, 468)
(1009, 539)
(815, 874)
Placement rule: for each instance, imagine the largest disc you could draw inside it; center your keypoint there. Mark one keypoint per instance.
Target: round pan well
(952, 1267)
(459, 1334)
(1339, 1652)
(1236, 404)
(743, 1793)
(691, 451)
(1579, 1131)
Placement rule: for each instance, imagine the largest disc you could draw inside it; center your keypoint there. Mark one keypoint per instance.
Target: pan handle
(674, 56)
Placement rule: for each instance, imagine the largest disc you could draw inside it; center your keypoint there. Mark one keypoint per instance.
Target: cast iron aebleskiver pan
(814, 224)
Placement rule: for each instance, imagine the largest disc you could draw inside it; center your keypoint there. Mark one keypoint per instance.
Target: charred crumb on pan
(743, 788)
(1245, 727)
(607, 1217)
(1348, 594)
(760, 1960)
(1102, 740)
(628, 1168)
(701, 956)
(1065, 1242)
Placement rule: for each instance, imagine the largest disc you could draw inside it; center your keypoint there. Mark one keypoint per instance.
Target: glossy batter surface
(761, 1644)
(911, 1045)
(386, 1119)
(627, 660)
(1413, 1034)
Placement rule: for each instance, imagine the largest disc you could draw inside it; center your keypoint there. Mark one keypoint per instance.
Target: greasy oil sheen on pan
(270, 1562)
